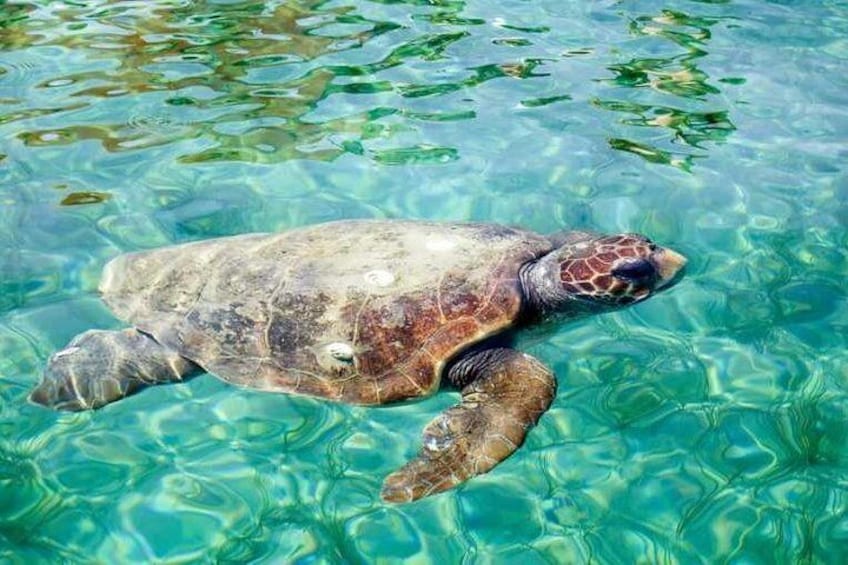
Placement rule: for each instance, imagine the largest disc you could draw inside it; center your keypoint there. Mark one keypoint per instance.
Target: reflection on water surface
(245, 80)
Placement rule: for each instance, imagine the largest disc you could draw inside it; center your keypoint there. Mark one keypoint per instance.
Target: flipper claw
(508, 394)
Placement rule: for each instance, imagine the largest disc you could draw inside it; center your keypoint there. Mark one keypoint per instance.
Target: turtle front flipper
(504, 394)
(98, 367)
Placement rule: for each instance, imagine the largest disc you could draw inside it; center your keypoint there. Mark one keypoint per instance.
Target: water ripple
(265, 67)
(683, 95)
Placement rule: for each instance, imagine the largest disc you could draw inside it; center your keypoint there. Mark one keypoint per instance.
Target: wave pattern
(253, 82)
(246, 78)
(683, 101)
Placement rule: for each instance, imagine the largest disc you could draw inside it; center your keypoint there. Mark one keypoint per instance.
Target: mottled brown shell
(360, 311)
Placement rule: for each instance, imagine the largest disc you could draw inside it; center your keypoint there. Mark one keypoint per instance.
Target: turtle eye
(636, 271)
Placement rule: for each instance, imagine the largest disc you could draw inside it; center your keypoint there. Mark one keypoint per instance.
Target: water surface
(706, 425)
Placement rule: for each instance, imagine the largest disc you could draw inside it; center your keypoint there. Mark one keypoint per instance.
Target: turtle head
(588, 272)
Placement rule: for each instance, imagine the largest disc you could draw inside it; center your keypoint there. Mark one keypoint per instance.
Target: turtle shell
(359, 311)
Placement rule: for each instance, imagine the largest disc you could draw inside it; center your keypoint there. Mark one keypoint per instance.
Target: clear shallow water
(706, 425)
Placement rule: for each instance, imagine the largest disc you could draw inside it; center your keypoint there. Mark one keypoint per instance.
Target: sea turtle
(367, 312)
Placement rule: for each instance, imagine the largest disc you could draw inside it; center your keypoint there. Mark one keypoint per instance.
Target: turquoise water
(706, 425)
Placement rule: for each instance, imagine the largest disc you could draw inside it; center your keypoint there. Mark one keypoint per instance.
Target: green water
(707, 425)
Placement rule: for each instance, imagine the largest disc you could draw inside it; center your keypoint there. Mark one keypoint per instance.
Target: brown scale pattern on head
(587, 269)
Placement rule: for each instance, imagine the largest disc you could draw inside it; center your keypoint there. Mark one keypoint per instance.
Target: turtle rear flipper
(508, 393)
(98, 367)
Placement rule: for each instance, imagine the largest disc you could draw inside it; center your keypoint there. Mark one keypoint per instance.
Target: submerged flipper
(99, 367)
(504, 394)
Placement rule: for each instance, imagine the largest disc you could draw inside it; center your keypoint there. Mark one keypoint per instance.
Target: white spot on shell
(379, 277)
(340, 351)
(439, 243)
(64, 352)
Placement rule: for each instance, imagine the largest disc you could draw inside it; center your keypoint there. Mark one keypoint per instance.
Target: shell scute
(267, 310)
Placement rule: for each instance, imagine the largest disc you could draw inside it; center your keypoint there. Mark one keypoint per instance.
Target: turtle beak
(669, 266)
